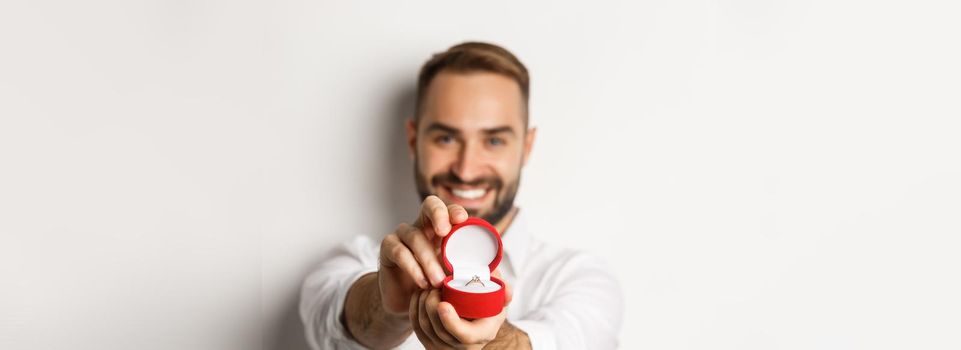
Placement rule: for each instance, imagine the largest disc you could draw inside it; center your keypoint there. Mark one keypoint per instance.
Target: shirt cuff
(339, 332)
(540, 334)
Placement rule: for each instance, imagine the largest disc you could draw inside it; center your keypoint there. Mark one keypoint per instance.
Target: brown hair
(473, 57)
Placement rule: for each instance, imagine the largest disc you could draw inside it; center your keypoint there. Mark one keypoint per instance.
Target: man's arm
(325, 291)
(375, 307)
(509, 337)
(366, 319)
(585, 311)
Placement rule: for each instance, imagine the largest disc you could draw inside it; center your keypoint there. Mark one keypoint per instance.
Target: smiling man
(469, 139)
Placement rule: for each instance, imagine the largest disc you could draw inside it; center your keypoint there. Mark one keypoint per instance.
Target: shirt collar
(516, 239)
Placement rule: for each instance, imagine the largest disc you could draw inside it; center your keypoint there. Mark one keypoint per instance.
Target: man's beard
(503, 201)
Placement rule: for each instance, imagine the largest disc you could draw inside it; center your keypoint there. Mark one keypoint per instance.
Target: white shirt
(562, 299)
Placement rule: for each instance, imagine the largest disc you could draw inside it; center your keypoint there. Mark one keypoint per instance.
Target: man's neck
(502, 225)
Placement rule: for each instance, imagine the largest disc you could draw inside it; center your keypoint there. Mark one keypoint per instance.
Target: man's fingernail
(424, 283)
(442, 310)
(439, 276)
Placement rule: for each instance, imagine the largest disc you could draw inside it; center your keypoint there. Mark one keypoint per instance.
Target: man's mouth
(469, 193)
(468, 196)
(484, 196)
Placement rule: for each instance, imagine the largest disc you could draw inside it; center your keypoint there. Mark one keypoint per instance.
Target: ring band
(476, 279)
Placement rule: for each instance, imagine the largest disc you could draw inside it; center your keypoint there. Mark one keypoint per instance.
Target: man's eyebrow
(441, 127)
(435, 126)
(499, 129)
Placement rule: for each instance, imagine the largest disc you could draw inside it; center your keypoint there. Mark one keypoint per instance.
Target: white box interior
(470, 251)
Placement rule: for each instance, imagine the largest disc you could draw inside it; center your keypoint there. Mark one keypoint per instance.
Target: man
(469, 138)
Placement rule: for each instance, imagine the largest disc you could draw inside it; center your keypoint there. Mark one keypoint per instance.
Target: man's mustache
(452, 179)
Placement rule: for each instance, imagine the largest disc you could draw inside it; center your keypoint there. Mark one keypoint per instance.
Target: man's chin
(477, 213)
(485, 212)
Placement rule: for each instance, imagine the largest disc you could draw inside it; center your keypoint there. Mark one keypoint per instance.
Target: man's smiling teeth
(469, 194)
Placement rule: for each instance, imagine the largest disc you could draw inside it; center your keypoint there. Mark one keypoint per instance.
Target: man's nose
(468, 166)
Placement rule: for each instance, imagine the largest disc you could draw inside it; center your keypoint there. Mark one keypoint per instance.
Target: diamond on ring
(476, 279)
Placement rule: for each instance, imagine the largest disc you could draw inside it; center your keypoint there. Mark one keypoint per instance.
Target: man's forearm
(367, 321)
(509, 337)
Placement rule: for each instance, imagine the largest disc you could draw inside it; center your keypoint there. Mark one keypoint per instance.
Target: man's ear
(411, 138)
(529, 143)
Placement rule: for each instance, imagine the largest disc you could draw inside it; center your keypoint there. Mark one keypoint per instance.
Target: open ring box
(473, 249)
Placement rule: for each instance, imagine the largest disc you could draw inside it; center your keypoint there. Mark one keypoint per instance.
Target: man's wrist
(509, 337)
(367, 321)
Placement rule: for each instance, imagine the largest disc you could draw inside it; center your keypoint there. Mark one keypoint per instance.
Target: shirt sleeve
(324, 292)
(581, 307)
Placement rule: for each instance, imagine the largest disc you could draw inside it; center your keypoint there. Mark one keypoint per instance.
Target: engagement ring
(476, 279)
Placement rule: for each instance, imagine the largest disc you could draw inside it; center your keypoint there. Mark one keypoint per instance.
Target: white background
(759, 174)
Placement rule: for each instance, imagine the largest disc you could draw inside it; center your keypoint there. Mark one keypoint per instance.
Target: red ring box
(473, 248)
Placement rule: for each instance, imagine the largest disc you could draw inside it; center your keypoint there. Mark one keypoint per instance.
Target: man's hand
(375, 310)
(409, 256)
(438, 326)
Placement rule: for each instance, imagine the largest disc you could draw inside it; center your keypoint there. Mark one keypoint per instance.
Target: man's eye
(445, 139)
(495, 141)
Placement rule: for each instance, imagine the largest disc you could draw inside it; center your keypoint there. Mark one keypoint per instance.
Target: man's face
(471, 142)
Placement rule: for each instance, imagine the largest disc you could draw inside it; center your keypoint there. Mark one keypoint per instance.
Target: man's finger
(393, 253)
(431, 305)
(478, 331)
(457, 213)
(423, 321)
(458, 327)
(425, 254)
(412, 314)
(434, 215)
